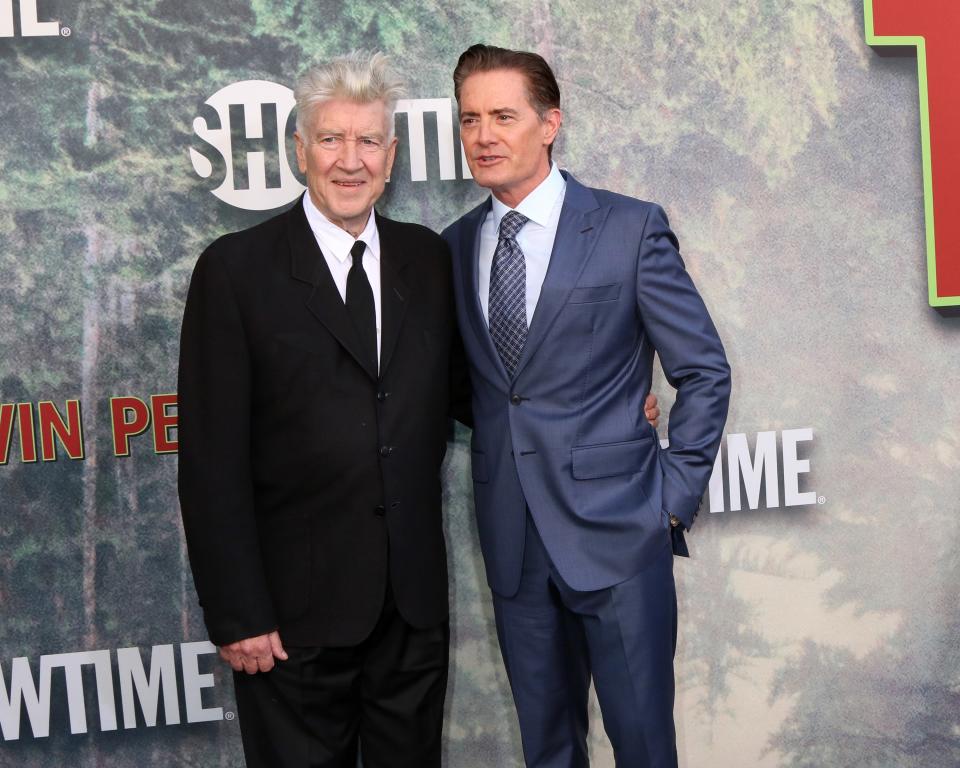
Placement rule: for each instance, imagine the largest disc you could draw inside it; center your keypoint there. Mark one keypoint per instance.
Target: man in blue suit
(564, 293)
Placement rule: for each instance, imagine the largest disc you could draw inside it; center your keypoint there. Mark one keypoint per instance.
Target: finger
(265, 663)
(250, 665)
(276, 647)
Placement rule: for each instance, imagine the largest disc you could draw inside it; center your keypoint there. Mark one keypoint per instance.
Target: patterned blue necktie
(507, 304)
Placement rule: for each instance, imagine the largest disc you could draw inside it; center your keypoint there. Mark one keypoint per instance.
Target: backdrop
(819, 620)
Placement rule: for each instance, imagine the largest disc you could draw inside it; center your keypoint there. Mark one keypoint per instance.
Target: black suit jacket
(305, 478)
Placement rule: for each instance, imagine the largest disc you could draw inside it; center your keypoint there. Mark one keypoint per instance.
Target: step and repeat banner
(819, 611)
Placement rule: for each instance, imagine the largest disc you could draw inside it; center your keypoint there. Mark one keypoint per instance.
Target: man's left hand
(651, 410)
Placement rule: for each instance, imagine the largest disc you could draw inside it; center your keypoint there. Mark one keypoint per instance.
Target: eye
(369, 143)
(504, 118)
(467, 121)
(329, 141)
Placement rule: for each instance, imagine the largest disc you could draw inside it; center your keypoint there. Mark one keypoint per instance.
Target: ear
(551, 125)
(391, 156)
(301, 152)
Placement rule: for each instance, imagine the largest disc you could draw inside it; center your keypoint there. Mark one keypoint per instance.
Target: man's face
(504, 138)
(347, 158)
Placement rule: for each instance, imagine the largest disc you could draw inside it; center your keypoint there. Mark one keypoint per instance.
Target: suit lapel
(470, 275)
(581, 220)
(393, 290)
(308, 265)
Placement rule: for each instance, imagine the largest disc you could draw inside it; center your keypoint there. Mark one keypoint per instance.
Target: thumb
(276, 646)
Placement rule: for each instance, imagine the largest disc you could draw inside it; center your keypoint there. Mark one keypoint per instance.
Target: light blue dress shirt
(542, 206)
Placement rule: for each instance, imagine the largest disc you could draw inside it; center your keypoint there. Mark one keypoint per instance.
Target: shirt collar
(337, 242)
(538, 205)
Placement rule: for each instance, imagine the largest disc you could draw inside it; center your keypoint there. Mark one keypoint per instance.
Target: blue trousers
(553, 639)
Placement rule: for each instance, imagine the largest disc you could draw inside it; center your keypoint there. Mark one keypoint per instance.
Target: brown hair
(543, 93)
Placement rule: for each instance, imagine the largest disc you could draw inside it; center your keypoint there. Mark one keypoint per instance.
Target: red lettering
(163, 422)
(123, 427)
(928, 26)
(6, 430)
(28, 438)
(69, 433)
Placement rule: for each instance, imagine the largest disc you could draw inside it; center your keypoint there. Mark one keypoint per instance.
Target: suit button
(386, 450)
(516, 399)
(379, 510)
(381, 396)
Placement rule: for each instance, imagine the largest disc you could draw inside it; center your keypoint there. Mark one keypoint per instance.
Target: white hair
(357, 77)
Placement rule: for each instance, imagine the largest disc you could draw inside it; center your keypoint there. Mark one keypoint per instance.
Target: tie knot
(356, 252)
(511, 223)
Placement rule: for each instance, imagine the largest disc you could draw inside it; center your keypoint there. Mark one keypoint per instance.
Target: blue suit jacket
(567, 436)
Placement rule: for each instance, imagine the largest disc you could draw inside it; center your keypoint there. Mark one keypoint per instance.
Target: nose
(349, 158)
(485, 133)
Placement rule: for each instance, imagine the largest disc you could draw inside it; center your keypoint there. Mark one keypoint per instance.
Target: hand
(255, 654)
(651, 410)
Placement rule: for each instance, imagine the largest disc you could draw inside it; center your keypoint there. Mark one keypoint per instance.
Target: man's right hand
(255, 654)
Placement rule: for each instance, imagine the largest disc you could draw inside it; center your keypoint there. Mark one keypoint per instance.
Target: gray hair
(357, 77)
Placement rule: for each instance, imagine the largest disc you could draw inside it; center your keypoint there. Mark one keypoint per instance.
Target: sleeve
(460, 393)
(214, 480)
(692, 357)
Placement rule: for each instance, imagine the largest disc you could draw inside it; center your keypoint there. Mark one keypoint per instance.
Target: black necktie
(360, 304)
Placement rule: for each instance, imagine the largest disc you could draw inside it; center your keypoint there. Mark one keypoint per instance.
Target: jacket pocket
(593, 294)
(590, 462)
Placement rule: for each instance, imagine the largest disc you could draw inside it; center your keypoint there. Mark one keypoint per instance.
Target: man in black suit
(314, 392)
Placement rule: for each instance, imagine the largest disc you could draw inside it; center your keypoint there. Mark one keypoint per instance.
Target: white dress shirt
(542, 208)
(335, 244)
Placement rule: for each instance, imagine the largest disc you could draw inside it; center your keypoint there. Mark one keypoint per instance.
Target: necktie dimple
(507, 304)
(360, 304)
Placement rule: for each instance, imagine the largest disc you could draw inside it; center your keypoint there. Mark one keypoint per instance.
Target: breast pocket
(593, 294)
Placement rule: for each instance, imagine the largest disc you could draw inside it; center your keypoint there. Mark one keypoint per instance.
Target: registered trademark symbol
(228, 715)
(65, 31)
(821, 499)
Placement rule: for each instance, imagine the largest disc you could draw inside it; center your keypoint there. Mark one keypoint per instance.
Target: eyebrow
(494, 111)
(342, 134)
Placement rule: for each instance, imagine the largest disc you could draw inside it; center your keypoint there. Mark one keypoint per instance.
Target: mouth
(349, 184)
(485, 161)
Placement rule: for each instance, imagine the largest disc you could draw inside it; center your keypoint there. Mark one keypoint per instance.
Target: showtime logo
(139, 689)
(248, 128)
(30, 25)
(773, 467)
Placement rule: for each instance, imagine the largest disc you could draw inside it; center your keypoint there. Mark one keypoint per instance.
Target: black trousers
(383, 697)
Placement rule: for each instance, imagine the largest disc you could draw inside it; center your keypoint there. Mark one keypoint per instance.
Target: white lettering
(194, 682)
(163, 673)
(22, 690)
(715, 486)
(794, 467)
(6, 18)
(760, 468)
(72, 663)
(252, 96)
(30, 26)
(764, 465)
(135, 686)
(415, 110)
